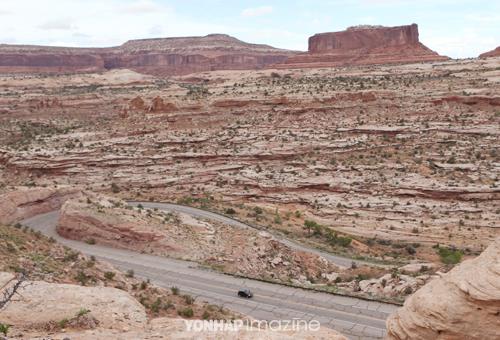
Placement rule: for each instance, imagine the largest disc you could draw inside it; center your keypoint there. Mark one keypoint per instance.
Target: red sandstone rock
(158, 105)
(364, 45)
(137, 103)
(493, 53)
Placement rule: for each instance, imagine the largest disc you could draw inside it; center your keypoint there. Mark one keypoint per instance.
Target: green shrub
(63, 323)
(188, 299)
(175, 290)
(109, 275)
(82, 278)
(4, 328)
(186, 312)
(230, 211)
(155, 307)
(258, 210)
(82, 312)
(450, 256)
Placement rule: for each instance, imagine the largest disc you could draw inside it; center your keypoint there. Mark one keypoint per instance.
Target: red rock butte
(493, 53)
(364, 45)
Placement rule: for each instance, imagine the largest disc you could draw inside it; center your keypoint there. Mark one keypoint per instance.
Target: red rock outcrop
(28, 202)
(137, 103)
(158, 105)
(364, 45)
(168, 56)
(493, 53)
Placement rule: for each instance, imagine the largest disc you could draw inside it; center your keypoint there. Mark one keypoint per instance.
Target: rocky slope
(104, 220)
(169, 56)
(364, 45)
(493, 53)
(462, 304)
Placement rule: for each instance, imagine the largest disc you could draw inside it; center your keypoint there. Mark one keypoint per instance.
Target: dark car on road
(245, 293)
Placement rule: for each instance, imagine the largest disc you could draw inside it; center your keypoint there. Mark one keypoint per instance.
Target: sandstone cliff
(169, 56)
(462, 304)
(493, 53)
(364, 45)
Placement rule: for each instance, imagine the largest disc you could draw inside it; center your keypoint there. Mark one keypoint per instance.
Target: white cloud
(58, 24)
(257, 11)
(95, 23)
(467, 43)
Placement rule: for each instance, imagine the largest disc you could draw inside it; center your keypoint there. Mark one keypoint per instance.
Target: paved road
(200, 213)
(355, 318)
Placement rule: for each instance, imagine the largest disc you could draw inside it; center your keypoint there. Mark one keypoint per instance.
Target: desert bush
(186, 312)
(450, 256)
(4, 328)
(109, 275)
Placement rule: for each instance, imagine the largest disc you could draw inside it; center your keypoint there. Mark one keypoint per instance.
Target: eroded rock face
(493, 53)
(28, 202)
(462, 304)
(364, 45)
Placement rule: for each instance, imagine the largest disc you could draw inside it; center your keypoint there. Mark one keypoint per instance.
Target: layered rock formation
(493, 53)
(169, 56)
(364, 45)
(462, 304)
(26, 202)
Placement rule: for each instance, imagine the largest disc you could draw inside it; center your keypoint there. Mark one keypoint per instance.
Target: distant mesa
(165, 56)
(361, 45)
(494, 53)
(357, 45)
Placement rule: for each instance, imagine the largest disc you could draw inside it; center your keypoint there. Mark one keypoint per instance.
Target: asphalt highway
(355, 318)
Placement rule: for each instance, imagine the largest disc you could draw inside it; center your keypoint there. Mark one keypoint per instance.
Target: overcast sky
(457, 28)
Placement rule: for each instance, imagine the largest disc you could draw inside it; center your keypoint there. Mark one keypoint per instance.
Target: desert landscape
(365, 169)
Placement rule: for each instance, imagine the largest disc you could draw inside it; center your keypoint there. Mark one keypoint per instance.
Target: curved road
(355, 318)
(200, 213)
